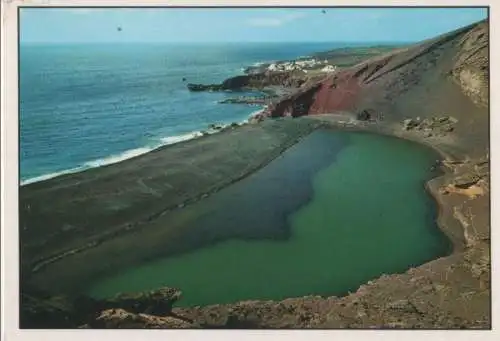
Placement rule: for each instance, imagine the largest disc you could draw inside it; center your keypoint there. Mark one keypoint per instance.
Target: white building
(273, 67)
(329, 68)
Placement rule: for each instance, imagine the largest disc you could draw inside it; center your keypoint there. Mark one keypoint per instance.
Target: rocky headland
(435, 93)
(252, 100)
(254, 81)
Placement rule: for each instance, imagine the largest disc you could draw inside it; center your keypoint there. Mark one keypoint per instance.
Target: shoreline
(132, 153)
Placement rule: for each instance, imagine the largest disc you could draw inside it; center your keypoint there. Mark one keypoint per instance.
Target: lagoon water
(334, 211)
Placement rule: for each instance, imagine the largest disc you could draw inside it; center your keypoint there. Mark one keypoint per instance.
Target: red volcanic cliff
(425, 79)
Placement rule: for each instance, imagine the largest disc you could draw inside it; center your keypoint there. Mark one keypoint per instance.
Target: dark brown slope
(447, 75)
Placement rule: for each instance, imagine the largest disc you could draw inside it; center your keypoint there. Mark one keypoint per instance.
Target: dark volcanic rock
(466, 180)
(254, 81)
(121, 319)
(447, 128)
(365, 115)
(202, 87)
(237, 82)
(215, 126)
(409, 124)
(439, 125)
(156, 302)
(295, 104)
(256, 118)
(246, 100)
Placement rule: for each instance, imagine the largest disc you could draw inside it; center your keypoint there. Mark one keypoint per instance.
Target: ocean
(84, 105)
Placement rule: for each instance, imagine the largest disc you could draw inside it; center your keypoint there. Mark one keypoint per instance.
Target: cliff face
(254, 81)
(471, 66)
(260, 80)
(447, 75)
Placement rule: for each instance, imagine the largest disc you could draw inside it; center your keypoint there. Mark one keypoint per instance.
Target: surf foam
(179, 138)
(128, 154)
(50, 175)
(92, 164)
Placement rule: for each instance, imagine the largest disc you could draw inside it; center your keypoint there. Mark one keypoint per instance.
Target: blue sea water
(84, 105)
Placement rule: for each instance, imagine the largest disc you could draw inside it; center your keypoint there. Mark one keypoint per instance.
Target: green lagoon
(333, 212)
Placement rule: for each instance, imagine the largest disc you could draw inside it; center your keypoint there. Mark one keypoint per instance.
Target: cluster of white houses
(301, 65)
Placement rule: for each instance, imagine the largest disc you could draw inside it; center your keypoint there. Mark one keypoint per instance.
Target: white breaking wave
(50, 175)
(128, 154)
(117, 157)
(180, 138)
(92, 164)
(255, 113)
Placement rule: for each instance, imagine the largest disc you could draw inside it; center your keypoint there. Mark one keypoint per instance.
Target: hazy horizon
(233, 25)
(371, 43)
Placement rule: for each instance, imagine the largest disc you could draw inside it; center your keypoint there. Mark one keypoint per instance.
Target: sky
(100, 25)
